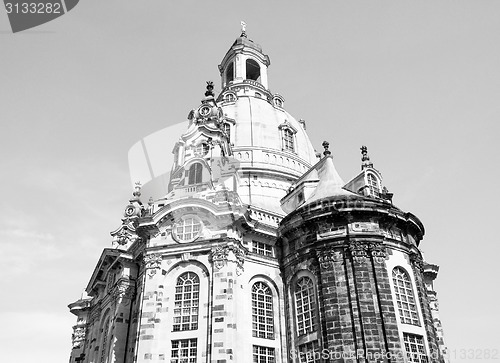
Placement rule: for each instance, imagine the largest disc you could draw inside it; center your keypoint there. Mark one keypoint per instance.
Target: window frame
(373, 183)
(263, 352)
(307, 315)
(262, 314)
(413, 341)
(410, 298)
(191, 358)
(262, 249)
(195, 174)
(181, 223)
(194, 303)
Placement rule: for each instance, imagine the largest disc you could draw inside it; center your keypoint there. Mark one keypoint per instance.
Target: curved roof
(258, 124)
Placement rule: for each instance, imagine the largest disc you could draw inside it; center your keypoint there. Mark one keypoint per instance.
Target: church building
(259, 251)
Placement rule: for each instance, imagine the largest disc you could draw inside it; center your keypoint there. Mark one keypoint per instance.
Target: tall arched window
(253, 70)
(262, 311)
(405, 299)
(373, 185)
(305, 306)
(186, 303)
(195, 174)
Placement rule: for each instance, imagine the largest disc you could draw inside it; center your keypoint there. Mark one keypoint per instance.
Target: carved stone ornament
(152, 263)
(125, 234)
(78, 337)
(358, 251)
(220, 256)
(378, 252)
(327, 257)
(122, 291)
(240, 254)
(417, 261)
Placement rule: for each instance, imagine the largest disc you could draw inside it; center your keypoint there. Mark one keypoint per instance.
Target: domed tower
(256, 250)
(271, 146)
(193, 276)
(354, 277)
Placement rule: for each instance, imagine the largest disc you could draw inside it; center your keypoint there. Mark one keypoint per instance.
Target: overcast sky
(417, 82)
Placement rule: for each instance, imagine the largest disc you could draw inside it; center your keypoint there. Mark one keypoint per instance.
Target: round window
(187, 229)
(205, 111)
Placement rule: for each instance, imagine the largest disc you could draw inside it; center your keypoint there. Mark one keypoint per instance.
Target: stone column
(227, 265)
(122, 296)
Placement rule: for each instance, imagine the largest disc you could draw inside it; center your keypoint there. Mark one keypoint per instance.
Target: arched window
(288, 144)
(373, 185)
(405, 300)
(195, 174)
(229, 73)
(186, 302)
(253, 70)
(305, 306)
(262, 311)
(229, 97)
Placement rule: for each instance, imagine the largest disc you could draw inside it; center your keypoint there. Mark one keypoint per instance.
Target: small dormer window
(373, 185)
(258, 95)
(253, 70)
(288, 140)
(229, 97)
(278, 102)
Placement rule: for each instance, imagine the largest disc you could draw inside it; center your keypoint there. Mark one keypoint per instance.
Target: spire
(365, 159)
(330, 183)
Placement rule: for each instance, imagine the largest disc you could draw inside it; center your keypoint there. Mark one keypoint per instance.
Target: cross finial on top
(365, 159)
(243, 29)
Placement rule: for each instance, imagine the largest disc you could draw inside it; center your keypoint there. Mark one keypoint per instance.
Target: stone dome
(260, 126)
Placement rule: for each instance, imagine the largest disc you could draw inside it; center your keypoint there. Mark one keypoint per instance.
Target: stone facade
(259, 251)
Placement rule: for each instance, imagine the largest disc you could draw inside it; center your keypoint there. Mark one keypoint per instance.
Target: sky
(417, 82)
